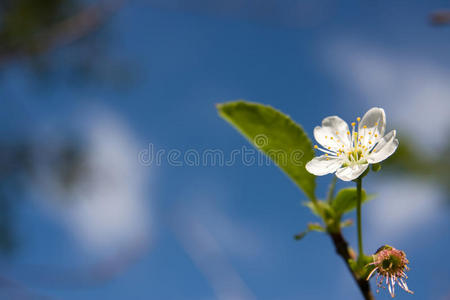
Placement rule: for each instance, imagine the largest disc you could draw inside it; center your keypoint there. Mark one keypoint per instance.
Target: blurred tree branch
(16, 290)
(94, 274)
(30, 29)
(440, 18)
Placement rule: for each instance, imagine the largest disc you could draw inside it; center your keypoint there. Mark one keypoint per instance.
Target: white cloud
(107, 207)
(236, 237)
(213, 239)
(400, 208)
(210, 258)
(415, 91)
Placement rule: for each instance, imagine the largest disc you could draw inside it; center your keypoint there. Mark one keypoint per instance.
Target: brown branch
(440, 18)
(343, 251)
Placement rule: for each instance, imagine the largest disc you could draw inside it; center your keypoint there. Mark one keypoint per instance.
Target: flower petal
(333, 134)
(323, 165)
(374, 119)
(385, 147)
(351, 172)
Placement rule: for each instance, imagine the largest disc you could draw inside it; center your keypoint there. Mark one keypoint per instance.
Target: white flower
(350, 153)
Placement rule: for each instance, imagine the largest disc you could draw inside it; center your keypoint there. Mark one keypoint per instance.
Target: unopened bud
(376, 167)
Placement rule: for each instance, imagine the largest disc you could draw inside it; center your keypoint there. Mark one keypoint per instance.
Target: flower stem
(332, 189)
(358, 215)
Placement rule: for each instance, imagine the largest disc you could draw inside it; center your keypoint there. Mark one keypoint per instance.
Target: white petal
(333, 133)
(374, 116)
(351, 172)
(385, 147)
(323, 165)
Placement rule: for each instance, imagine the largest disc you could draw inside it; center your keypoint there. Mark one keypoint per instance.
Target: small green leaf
(311, 227)
(315, 209)
(315, 227)
(331, 189)
(277, 136)
(347, 223)
(353, 265)
(301, 235)
(361, 266)
(345, 200)
(322, 209)
(376, 167)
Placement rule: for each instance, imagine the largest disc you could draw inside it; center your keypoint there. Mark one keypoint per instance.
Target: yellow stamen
(315, 146)
(358, 119)
(329, 148)
(364, 126)
(348, 132)
(353, 124)
(331, 137)
(376, 135)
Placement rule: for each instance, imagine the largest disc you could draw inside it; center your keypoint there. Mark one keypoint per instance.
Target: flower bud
(391, 266)
(376, 167)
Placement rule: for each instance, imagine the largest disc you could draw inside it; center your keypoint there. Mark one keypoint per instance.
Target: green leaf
(311, 227)
(321, 209)
(301, 235)
(363, 267)
(345, 200)
(315, 227)
(315, 209)
(346, 223)
(277, 136)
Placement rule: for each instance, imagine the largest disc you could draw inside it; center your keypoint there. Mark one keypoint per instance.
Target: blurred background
(87, 87)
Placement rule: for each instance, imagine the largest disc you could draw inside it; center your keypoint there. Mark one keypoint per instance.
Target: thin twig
(332, 189)
(358, 215)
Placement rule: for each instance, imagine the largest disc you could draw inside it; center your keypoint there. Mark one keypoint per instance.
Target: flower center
(392, 263)
(355, 152)
(355, 155)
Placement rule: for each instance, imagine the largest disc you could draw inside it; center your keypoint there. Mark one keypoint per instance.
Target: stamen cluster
(361, 144)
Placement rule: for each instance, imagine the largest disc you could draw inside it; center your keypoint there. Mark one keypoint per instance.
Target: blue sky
(226, 232)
